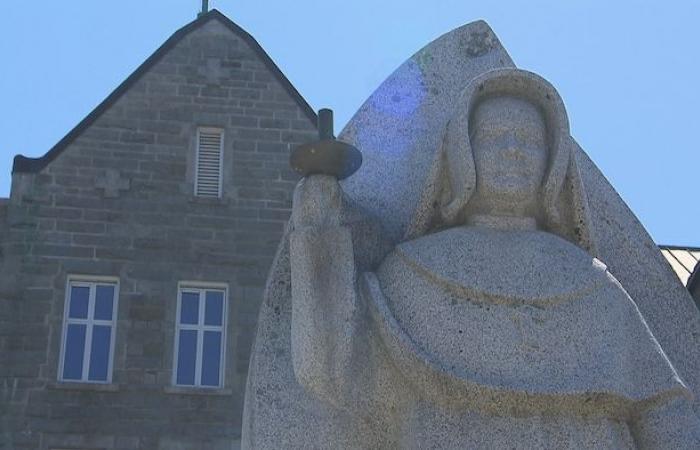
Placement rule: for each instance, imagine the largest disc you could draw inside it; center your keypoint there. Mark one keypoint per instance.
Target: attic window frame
(221, 132)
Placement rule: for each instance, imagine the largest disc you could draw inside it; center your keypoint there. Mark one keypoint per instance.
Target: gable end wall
(151, 236)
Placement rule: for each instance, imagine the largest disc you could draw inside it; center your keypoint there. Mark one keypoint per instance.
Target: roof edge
(679, 247)
(24, 164)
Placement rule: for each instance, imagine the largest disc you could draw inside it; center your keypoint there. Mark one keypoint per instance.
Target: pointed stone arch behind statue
(399, 130)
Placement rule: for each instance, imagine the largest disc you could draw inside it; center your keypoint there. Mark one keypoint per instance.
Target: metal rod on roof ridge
(325, 124)
(205, 7)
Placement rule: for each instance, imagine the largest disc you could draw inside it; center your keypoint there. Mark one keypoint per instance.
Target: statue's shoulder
(529, 266)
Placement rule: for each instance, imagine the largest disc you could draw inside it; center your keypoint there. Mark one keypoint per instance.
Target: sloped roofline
(23, 164)
(679, 247)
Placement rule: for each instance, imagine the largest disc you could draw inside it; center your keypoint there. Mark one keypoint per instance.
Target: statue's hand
(317, 202)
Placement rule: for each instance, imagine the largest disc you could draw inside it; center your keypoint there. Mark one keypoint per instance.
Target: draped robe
(518, 331)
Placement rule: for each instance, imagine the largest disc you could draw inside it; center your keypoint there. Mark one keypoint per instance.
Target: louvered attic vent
(210, 144)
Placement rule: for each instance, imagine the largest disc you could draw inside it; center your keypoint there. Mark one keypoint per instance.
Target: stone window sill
(96, 387)
(196, 391)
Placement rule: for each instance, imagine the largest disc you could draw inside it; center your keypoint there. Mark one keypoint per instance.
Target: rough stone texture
(400, 127)
(491, 323)
(119, 202)
(394, 124)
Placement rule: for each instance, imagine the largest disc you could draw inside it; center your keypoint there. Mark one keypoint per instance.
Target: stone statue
(488, 324)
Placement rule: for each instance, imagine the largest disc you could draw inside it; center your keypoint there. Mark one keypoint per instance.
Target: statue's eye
(527, 137)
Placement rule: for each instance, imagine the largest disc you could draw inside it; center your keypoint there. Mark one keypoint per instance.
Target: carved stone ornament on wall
(112, 184)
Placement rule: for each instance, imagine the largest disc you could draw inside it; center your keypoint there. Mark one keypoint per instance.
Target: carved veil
(452, 179)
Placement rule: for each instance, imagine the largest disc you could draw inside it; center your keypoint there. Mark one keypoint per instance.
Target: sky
(628, 72)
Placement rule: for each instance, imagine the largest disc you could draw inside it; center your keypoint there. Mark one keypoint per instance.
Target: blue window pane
(211, 358)
(189, 312)
(99, 353)
(186, 357)
(104, 299)
(74, 351)
(214, 308)
(79, 299)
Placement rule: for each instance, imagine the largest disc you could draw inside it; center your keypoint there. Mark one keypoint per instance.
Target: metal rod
(325, 124)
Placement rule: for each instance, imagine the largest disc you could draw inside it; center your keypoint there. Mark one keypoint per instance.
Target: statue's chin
(507, 200)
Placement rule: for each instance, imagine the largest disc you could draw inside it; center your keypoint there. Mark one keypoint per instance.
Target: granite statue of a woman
(489, 323)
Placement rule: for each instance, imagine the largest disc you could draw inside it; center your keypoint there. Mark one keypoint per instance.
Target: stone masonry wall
(151, 235)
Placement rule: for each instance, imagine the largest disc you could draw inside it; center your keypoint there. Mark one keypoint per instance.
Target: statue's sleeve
(325, 304)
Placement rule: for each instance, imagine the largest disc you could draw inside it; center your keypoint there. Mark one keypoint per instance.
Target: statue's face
(510, 153)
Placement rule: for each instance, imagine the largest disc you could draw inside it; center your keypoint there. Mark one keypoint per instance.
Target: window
(200, 335)
(89, 325)
(208, 173)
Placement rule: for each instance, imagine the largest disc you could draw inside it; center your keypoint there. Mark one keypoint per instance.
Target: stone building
(135, 252)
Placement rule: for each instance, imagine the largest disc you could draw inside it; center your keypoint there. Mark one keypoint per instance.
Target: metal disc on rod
(327, 156)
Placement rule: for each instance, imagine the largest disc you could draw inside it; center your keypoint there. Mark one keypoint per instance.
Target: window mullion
(200, 340)
(198, 359)
(88, 332)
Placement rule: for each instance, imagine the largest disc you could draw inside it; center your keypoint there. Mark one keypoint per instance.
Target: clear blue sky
(629, 71)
